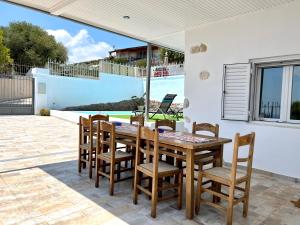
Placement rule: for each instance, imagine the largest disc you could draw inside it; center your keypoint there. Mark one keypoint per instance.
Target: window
(277, 96)
(295, 96)
(264, 90)
(270, 92)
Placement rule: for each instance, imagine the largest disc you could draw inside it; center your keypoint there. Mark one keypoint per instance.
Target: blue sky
(83, 42)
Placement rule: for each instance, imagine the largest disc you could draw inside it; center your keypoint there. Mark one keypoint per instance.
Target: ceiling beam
(59, 7)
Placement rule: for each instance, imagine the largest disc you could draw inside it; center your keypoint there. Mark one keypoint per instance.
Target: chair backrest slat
(84, 122)
(99, 117)
(138, 119)
(84, 130)
(214, 129)
(106, 137)
(166, 123)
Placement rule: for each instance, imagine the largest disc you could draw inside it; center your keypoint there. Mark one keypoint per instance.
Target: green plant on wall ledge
(44, 112)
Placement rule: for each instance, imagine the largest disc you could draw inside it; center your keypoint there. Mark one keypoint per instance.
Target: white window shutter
(236, 91)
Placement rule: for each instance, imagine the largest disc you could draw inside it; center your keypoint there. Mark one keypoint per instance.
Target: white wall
(268, 33)
(69, 91)
(160, 86)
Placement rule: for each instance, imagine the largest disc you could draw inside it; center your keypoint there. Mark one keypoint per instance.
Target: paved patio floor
(39, 184)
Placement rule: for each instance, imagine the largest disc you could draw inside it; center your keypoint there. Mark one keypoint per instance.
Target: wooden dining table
(184, 146)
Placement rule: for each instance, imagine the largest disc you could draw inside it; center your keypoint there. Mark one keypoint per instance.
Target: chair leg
(79, 161)
(133, 172)
(150, 183)
(230, 205)
(126, 162)
(135, 190)
(246, 201)
(180, 181)
(98, 167)
(154, 197)
(90, 164)
(112, 178)
(84, 157)
(199, 190)
(119, 170)
(160, 184)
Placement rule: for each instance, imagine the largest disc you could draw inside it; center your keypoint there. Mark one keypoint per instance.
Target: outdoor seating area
(159, 158)
(40, 184)
(149, 112)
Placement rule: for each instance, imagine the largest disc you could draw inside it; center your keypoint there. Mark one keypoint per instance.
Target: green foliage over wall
(118, 60)
(5, 58)
(173, 57)
(141, 63)
(125, 105)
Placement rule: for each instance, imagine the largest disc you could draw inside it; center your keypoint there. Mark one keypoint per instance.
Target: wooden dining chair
(87, 145)
(95, 118)
(134, 120)
(166, 125)
(147, 143)
(208, 156)
(138, 120)
(130, 143)
(107, 153)
(230, 178)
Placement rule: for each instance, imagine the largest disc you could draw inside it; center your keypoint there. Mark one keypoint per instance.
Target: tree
(141, 63)
(32, 45)
(5, 58)
(173, 57)
(117, 60)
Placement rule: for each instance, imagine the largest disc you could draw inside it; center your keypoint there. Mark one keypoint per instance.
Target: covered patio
(241, 72)
(39, 184)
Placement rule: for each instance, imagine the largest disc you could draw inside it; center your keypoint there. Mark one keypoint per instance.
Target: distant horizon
(83, 42)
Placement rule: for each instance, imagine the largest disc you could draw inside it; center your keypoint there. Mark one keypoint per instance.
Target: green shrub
(44, 112)
(125, 105)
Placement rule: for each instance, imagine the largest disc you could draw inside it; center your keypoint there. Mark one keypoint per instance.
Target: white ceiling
(161, 22)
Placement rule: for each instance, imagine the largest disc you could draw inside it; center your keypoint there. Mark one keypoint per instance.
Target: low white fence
(73, 70)
(93, 71)
(120, 69)
(128, 70)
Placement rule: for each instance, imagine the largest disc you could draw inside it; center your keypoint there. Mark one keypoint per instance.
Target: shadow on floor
(120, 204)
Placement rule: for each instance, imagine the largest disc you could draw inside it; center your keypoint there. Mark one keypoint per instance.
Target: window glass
(295, 103)
(270, 92)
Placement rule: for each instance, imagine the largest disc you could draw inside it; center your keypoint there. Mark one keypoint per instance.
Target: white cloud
(81, 46)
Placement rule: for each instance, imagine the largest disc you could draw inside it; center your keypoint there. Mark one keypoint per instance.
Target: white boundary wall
(57, 92)
(160, 86)
(268, 33)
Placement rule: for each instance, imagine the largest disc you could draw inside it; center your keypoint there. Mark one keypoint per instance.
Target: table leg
(219, 157)
(190, 184)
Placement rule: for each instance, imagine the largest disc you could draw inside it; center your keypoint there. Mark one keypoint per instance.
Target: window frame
(287, 63)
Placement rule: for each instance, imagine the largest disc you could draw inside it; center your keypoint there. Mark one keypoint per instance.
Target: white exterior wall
(269, 33)
(69, 91)
(160, 86)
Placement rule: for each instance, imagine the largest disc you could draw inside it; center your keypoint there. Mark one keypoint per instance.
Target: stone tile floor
(39, 184)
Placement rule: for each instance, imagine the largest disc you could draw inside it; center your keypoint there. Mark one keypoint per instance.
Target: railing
(128, 70)
(15, 69)
(73, 70)
(270, 110)
(120, 69)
